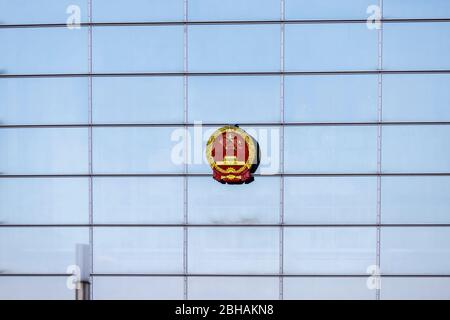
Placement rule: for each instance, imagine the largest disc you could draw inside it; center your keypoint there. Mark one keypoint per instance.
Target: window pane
(423, 97)
(43, 50)
(44, 101)
(138, 250)
(233, 250)
(415, 200)
(53, 151)
(35, 288)
(327, 289)
(414, 149)
(234, 99)
(331, 47)
(415, 289)
(138, 288)
(44, 201)
(233, 288)
(138, 100)
(414, 250)
(342, 250)
(39, 250)
(327, 9)
(416, 9)
(138, 200)
(234, 48)
(40, 11)
(334, 200)
(212, 202)
(416, 46)
(137, 11)
(216, 10)
(346, 98)
(331, 149)
(134, 150)
(138, 49)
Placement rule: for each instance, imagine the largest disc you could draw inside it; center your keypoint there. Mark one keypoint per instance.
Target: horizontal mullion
(209, 124)
(274, 225)
(221, 22)
(131, 175)
(229, 275)
(210, 74)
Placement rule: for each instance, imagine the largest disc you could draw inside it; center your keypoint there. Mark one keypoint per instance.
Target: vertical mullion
(282, 48)
(186, 148)
(90, 146)
(379, 147)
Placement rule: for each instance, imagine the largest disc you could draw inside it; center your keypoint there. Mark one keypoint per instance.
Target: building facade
(106, 107)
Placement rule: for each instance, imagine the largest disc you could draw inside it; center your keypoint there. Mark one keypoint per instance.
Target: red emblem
(233, 155)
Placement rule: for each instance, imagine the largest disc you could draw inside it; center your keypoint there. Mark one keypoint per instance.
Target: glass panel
(330, 200)
(44, 201)
(416, 9)
(138, 49)
(233, 250)
(233, 288)
(40, 11)
(331, 149)
(213, 203)
(415, 200)
(138, 100)
(416, 97)
(217, 10)
(39, 250)
(138, 288)
(134, 150)
(413, 149)
(138, 200)
(53, 151)
(327, 289)
(44, 101)
(415, 250)
(327, 9)
(35, 288)
(138, 250)
(137, 11)
(268, 139)
(43, 50)
(234, 99)
(331, 47)
(234, 48)
(416, 46)
(415, 289)
(342, 250)
(342, 98)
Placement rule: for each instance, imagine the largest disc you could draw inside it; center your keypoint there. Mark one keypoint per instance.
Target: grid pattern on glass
(110, 93)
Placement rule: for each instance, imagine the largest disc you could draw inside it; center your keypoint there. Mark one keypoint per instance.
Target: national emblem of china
(233, 155)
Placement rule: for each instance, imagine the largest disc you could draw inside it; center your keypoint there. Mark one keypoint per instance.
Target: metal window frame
(221, 22)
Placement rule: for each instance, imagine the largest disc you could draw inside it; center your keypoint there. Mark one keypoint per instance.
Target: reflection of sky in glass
(39, 250)
(47, 101)
(43, 50)
(63, 200)
(39, 11)
(339, 200)
(138, 100)
(233, 250)
(44, 151)
(307, 250)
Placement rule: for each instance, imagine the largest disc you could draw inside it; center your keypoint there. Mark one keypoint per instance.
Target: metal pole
(83, 291)
(83, 288)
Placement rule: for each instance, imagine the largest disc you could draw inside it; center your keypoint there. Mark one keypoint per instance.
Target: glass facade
(352, 114)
